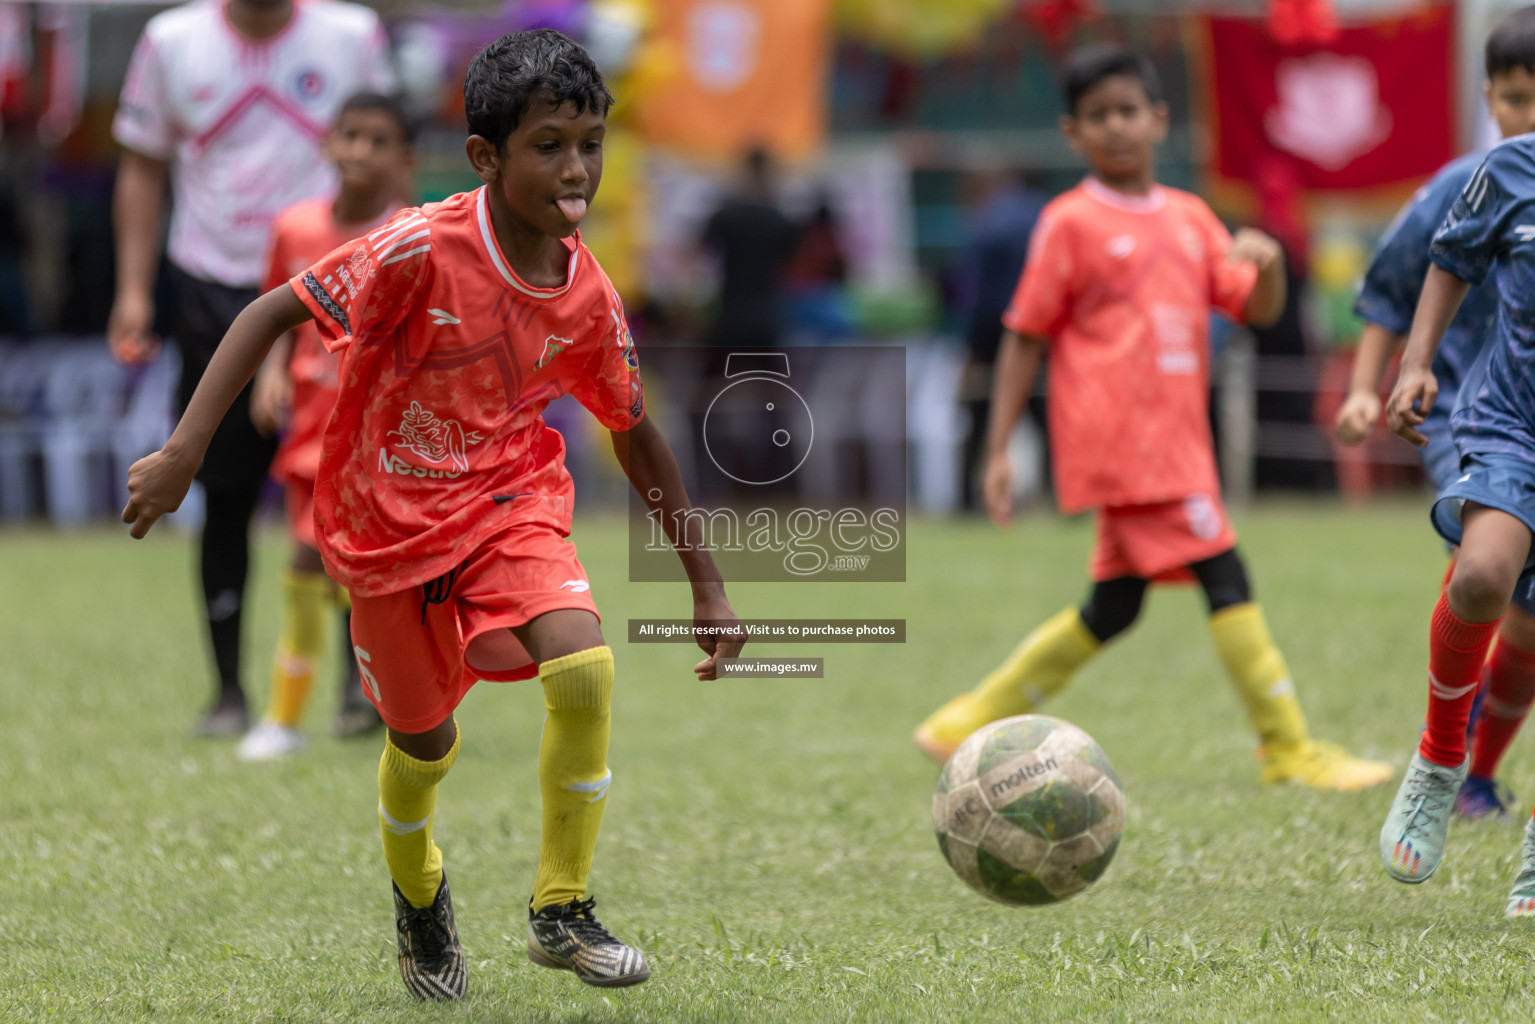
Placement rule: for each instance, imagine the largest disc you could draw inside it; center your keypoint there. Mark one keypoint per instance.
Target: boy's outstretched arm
(1017, 365)
(157, 483)
(1360, 410)
(648, 462)
(1416, 389)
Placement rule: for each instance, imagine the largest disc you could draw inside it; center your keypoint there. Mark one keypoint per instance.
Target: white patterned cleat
(1412, 839)
(1521, 902)
(269, 741)
(567, 937)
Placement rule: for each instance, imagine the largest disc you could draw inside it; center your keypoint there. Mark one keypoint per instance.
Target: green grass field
(767, 842)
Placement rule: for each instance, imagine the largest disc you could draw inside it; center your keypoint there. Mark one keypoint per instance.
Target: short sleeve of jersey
(369, 283)
(1475, 230)
(1230, 283)
(1044, 294)
(609, 385)
(1388, 295)
(143, 122)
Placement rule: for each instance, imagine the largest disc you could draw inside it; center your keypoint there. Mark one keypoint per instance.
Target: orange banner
(748, 72)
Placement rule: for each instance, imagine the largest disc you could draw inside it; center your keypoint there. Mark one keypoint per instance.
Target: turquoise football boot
(1521, 902)
(1412, 839)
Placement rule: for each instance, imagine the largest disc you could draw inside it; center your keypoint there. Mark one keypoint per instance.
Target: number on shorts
(364, 659)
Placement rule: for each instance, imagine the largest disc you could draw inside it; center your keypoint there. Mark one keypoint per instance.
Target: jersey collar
(493, 250)
(1151, 202)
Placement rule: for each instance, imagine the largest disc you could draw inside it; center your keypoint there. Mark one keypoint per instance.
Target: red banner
(1375, 107)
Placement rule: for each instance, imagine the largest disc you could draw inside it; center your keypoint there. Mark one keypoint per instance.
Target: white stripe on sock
(600, 787)
(1504, 709)
(1443, 692)
(401, 828)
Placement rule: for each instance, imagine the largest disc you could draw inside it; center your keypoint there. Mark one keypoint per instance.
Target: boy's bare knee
(558, 633)
(432, 745)
(1482, 585)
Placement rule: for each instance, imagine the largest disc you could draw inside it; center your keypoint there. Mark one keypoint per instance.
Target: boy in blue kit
(1489, 510)
(1387, 298)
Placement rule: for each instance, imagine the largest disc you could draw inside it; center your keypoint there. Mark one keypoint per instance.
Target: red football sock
(1510, 692)
(1457, 649)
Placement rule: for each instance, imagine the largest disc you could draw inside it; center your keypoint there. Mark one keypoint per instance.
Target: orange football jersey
(448, 358)
(1122, 288)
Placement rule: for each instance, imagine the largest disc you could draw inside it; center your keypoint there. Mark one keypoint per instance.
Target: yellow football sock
(1039, 666)
(306, 597)
(407, 798)
(1257, 668)
(1042, 664)
(573, 772)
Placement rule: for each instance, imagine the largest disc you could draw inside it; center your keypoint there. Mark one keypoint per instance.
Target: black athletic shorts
(238, 457)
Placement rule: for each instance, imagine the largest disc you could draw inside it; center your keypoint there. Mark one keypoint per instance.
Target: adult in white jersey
(230, 99)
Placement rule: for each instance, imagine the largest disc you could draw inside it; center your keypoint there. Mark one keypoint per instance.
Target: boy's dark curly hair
(509, 75)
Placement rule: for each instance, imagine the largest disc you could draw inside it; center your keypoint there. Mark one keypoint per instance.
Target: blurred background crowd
(807, 172)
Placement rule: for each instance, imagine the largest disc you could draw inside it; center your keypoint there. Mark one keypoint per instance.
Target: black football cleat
(431, 959)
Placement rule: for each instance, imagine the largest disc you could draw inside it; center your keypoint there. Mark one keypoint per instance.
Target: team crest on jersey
(309, 83)
(553, 346)
(436, 440)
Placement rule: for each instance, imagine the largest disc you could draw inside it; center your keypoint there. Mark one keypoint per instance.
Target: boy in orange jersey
(443, 503)
(370, 145)
(1121, 279)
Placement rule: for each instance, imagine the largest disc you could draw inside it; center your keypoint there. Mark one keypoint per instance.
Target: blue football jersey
(1388, 295)
(1493, 220)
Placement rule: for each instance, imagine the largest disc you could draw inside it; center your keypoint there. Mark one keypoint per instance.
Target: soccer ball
(1028, 811)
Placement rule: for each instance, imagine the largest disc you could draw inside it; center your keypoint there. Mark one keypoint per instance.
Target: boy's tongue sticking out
(573, 207)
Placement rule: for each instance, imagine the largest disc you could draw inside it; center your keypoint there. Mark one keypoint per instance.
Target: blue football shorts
(1503, 482)
(1441, 459)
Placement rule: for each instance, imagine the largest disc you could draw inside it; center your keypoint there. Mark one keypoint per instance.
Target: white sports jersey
(244, 121)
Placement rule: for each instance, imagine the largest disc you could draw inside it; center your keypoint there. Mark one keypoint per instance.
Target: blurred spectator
(754, 241)
(1002, 215)
(815, 277)
(15, 312)
(232, 102)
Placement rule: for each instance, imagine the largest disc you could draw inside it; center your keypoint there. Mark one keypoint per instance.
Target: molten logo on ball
(1028, 811)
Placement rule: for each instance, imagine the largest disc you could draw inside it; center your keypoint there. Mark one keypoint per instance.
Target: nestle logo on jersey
(356, 271)
(422, 432)
(388, 462)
